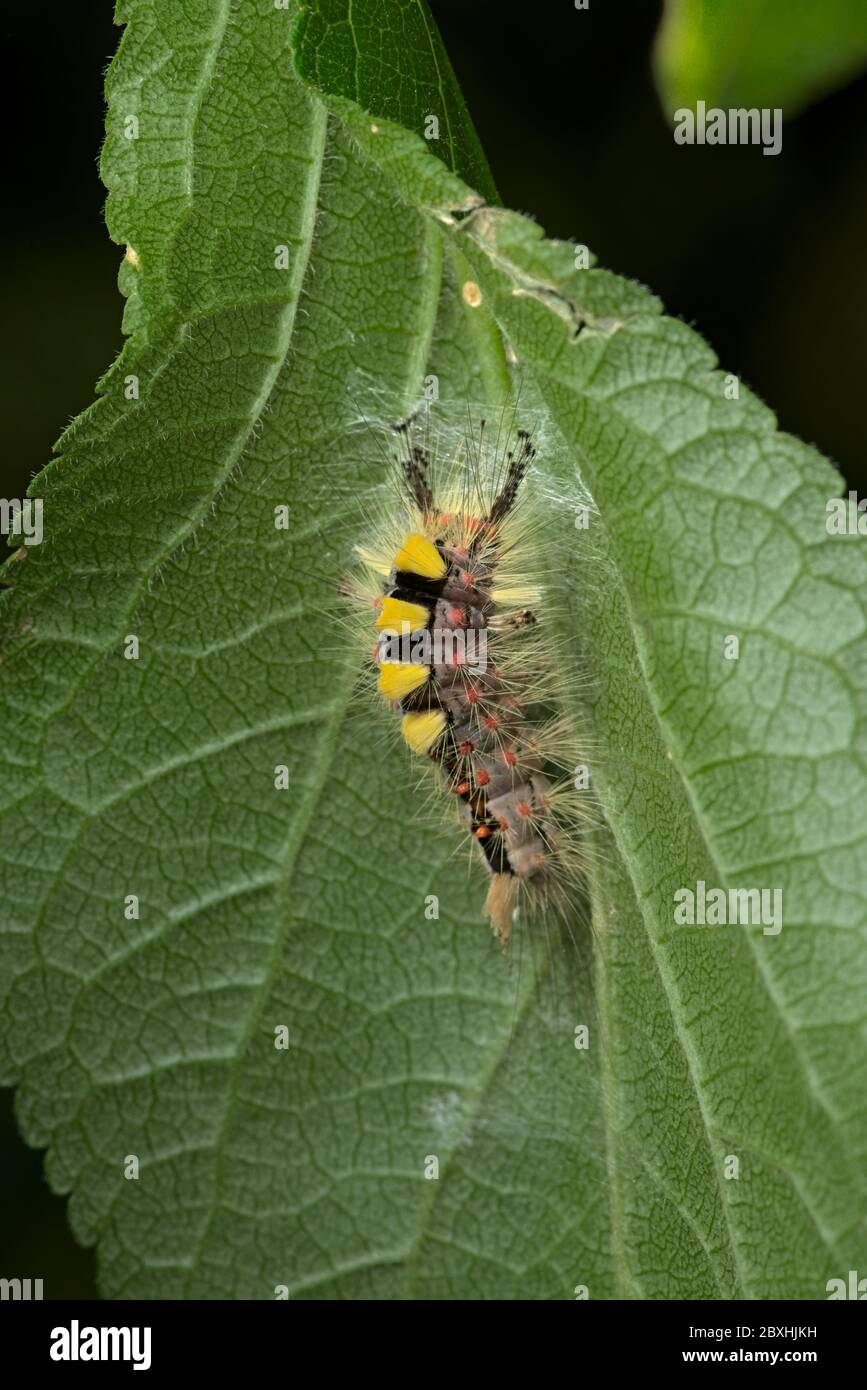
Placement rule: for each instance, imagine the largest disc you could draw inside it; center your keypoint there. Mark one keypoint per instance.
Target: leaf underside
(609, 1167)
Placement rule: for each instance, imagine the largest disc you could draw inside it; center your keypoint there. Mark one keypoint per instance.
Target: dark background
(765, 256)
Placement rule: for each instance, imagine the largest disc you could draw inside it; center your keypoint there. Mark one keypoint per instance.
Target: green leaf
(387, 56)
(154, 776)
(750, 53)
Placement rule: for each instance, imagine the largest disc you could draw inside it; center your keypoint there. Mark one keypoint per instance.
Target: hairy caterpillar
(463, 657)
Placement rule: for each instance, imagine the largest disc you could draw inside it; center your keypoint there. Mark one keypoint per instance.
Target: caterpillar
(462, 658)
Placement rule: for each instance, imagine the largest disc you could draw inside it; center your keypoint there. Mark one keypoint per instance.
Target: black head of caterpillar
(452, 619)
